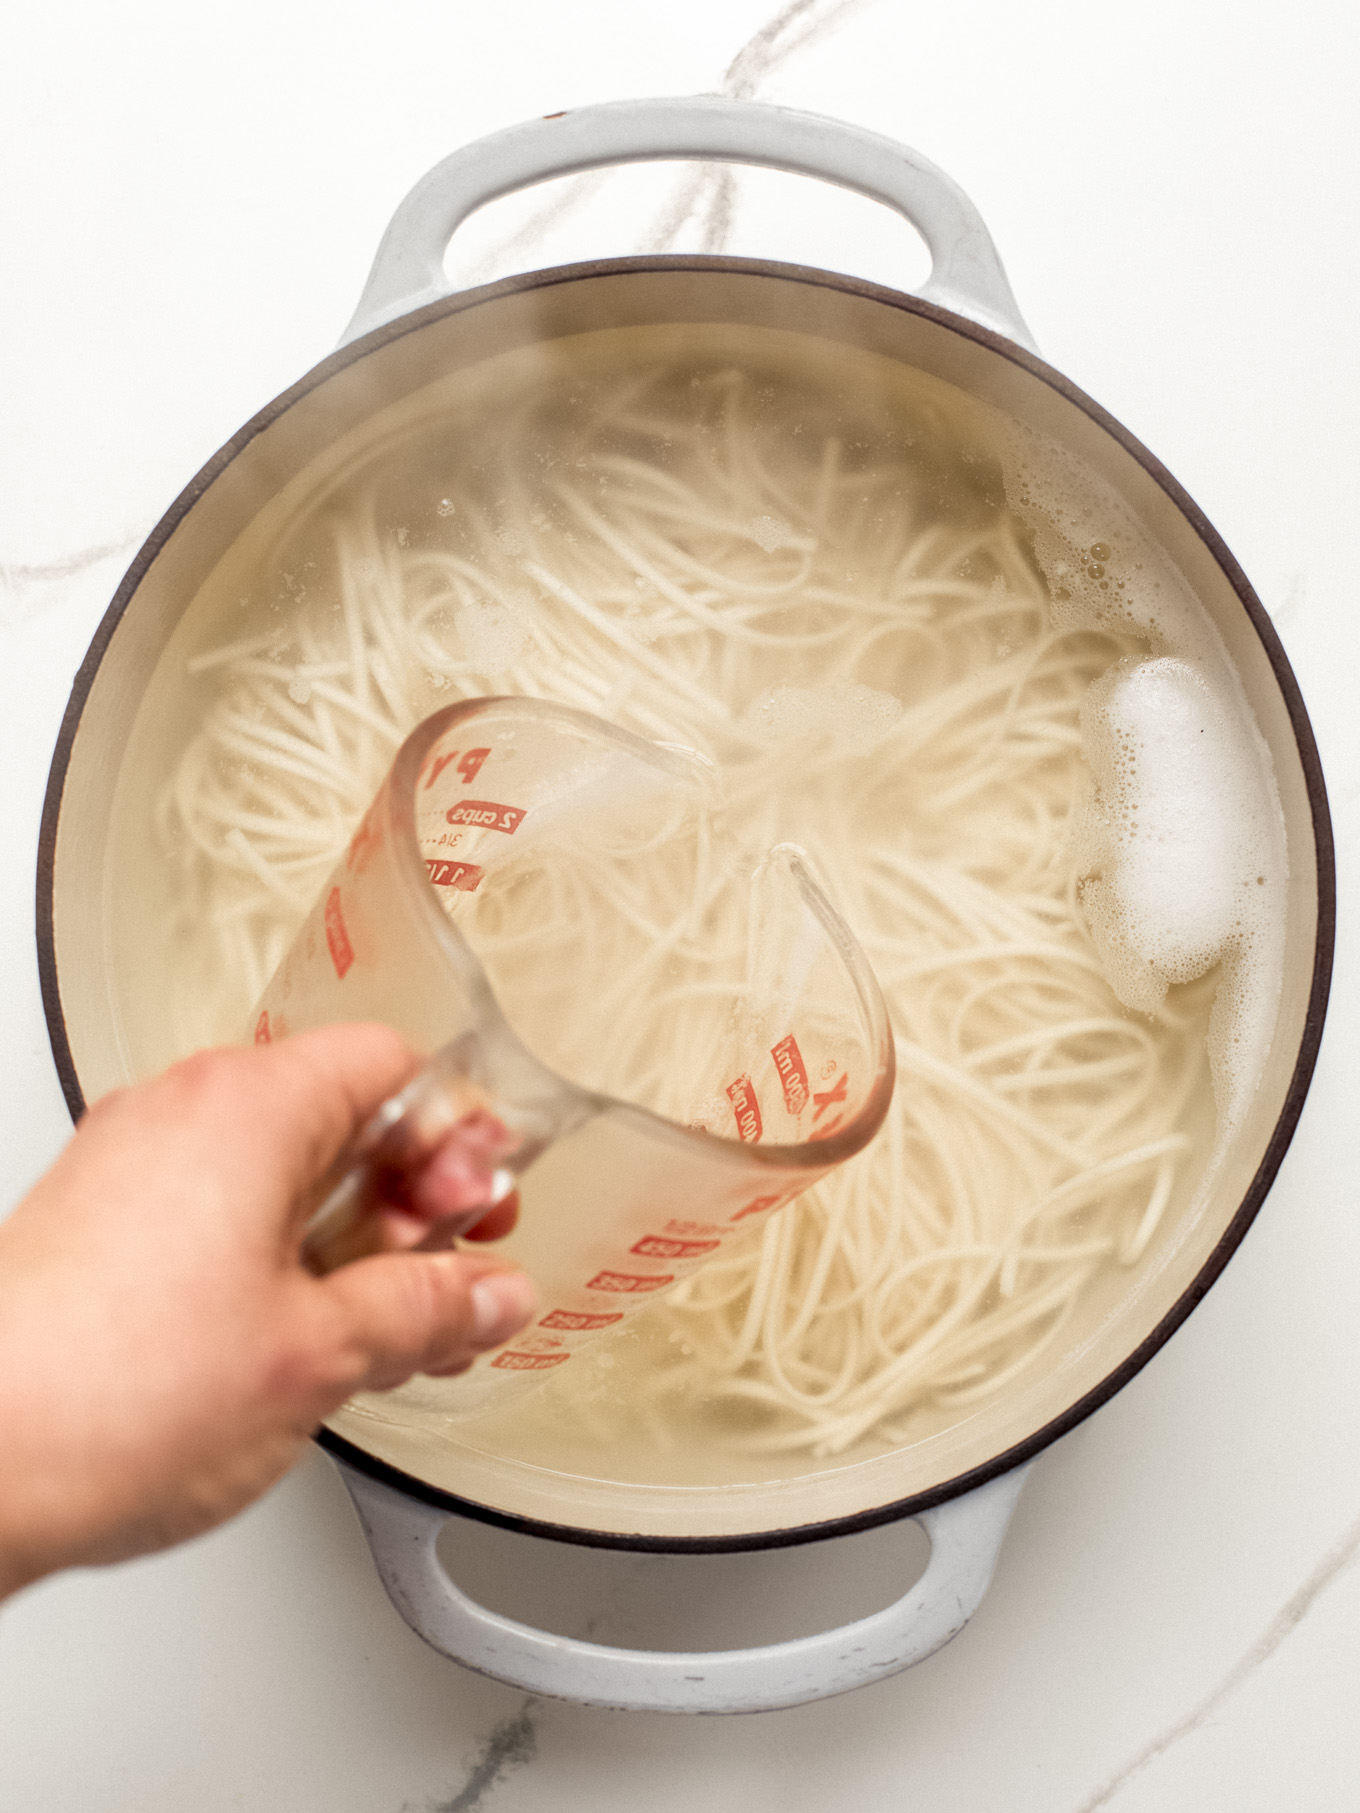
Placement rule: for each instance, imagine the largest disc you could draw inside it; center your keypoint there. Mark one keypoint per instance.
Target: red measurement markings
(654, 1247)
(756, 1206)
(826, 1131)
(627, 1281)
(337, 938)
(574, 1318)
(262, 1032)
(528, 1362)
(469, 768)
(464, 875)
(437, 766)
(746, 1108)
(793, 1076)
(486, 815)
(827, 1098)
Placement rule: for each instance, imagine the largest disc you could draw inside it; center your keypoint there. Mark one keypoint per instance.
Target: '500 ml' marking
(793, 1076)
(745, 1108)
(486, 815)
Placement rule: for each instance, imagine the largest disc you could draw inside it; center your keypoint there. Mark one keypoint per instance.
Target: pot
(98, 954)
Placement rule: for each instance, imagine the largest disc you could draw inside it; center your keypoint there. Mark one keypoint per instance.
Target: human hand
(164, 1352)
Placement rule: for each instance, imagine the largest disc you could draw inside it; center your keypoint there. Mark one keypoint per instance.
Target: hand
(163, 1351)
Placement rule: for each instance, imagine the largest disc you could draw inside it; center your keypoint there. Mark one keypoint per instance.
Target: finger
(302, 1098)
(497, 1222)
(326, 1084)
(241, 1133)
(460, 1174)
(453, 1190)
(426, 1312)
(397, 1229)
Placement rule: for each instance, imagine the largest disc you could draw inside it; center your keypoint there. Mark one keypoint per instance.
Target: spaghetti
(827, 593)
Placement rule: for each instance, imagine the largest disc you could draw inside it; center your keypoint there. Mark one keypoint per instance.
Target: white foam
(1186, 814)
(1184, 869)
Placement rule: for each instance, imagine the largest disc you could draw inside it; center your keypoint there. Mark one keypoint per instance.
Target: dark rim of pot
(1283, 1132)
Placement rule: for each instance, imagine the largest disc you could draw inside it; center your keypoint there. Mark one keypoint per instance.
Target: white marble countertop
(189, 199)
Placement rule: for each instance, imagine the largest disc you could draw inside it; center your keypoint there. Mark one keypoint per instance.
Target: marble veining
(507, 1747)
(19, 580)
(1285, 1622)
(706, 193)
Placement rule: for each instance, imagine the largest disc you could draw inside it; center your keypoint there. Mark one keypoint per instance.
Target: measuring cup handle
(965, 1538)
(966, 274)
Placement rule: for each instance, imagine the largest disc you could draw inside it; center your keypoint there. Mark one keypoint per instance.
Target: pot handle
(966, 274)
(965, 1537)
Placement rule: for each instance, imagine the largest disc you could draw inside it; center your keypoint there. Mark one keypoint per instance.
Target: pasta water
(921, 644)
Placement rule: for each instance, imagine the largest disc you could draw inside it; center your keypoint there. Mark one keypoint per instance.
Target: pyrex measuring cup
(670, 1038)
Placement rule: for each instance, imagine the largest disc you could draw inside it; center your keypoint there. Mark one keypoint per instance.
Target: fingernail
(502, 1302)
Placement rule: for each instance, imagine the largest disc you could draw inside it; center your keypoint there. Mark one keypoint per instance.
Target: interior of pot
(118, 1005)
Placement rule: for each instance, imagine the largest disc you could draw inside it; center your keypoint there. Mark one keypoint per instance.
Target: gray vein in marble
(761, 50)
(793, 28)
(508, 1746)
(711, 190)
(28, 572)
(564, 202)
(19, 580)
(1291, 604)
(721, 208)
(707, 190)
(1284, 1623)
(690, 192)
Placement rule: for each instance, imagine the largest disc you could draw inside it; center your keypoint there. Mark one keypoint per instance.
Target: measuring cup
(662, 1038)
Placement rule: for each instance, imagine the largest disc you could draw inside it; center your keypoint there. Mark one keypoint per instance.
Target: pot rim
(1305, 743)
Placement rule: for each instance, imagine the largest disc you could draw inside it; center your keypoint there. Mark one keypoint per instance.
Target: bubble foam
(1182, 858)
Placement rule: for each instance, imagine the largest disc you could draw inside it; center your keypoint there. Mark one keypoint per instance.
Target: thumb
(425, 1312)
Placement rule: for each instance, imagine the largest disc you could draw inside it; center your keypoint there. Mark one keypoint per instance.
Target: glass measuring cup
(664, 1040)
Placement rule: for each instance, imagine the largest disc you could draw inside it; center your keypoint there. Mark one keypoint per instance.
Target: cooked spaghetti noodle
(832, 598)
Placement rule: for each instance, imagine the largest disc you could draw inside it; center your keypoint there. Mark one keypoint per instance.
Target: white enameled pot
(962, 326)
